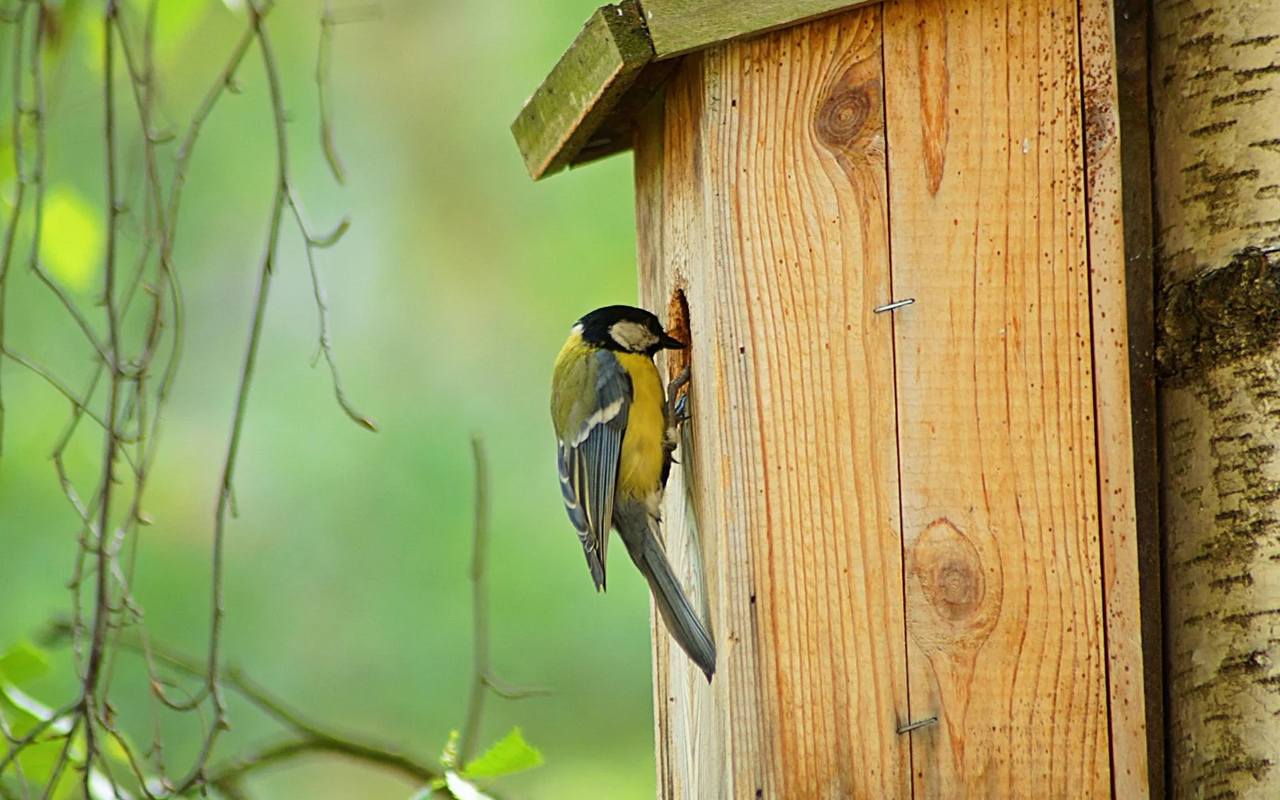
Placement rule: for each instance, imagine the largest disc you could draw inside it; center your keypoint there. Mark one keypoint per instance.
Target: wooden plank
(1106, 238)
(682, 26)
(697, 744)
(1133, 73)
(774, 219)
(995, 399)
(583, 89)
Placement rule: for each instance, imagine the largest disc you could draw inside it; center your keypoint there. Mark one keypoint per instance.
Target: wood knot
(843, 116)
(949, 570)
(954, 595)
(849, 120)
(955, 591)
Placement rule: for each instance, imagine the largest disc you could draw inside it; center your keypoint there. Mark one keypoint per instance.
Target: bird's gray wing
(589, 456)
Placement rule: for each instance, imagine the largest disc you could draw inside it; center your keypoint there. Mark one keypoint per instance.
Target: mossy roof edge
(585, 107)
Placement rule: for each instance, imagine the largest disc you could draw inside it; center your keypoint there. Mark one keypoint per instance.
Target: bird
(616, 436)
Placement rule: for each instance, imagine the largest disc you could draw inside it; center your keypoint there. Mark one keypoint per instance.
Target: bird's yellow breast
(640, 473)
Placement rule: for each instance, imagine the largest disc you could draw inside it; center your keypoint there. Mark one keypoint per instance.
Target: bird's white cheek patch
(601, 416)
(632, 336)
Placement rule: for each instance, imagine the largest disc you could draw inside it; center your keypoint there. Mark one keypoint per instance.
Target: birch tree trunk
(1216, 96)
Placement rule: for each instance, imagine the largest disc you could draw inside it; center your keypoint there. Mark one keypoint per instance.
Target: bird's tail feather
(681, 618)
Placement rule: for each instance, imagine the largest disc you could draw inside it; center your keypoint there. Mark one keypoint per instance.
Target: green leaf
(71, 238)
(21, 714)
(23, 663)
(508, 755)
(38, 759)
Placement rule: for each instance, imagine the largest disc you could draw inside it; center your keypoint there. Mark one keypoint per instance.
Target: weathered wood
(583, 89)
(586, 108)
(998, 453)
(617, 131)
(1215, 81)
(682, 26)
(1127, 707)
(774, 219)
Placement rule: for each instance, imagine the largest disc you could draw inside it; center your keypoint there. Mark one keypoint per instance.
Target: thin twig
(105, 614)
(483, 678)
(64, 757)
(18, 771)
(322, 78)
(35, 733)
(479, 604)
(313, 243)
(213, 685)
(11, 229)
(91, 690)
(416, 772)
(312, 737)
(76, 401)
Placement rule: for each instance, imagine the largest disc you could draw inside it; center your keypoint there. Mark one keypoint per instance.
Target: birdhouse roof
(585, 107)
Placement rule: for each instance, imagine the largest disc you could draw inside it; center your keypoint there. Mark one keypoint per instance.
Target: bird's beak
(669, 343)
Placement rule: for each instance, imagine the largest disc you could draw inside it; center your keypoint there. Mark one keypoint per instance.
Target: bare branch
(322, 78)
(313, 243)
(35, 733)
(124, 398)
(312, 737)
(415, 772)
(213, 685)
(483, 676)
(91, 690)
(18, 772)
(479, 603)
(77, 402)
(18, 21)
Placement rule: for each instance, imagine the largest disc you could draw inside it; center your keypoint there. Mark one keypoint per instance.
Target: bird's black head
(624, 328)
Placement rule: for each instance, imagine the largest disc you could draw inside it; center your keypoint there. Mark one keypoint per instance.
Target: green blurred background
(347, 585)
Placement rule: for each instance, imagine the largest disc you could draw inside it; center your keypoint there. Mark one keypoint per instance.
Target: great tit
(616, 432)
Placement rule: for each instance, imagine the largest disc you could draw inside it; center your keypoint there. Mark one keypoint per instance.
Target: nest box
(911, 527)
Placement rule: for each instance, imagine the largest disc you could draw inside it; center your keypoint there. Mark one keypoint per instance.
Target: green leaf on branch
(23, 712)
(508, 755)
(21, 715)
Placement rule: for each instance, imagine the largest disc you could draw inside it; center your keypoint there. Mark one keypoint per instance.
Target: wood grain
(996, 399)
(589, 81)
(683, 26)
(1117, 507)
(774, 221)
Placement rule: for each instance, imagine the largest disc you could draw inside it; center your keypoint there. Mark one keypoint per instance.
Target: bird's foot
(678, 407)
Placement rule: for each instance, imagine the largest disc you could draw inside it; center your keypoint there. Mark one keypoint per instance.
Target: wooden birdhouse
(911, 525)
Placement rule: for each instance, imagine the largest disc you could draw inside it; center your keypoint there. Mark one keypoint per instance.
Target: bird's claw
(678, 408)
(679, 381)
(680, 412)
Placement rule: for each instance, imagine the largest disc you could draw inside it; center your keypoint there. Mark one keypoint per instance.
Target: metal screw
(893, 305)
(924, 723)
